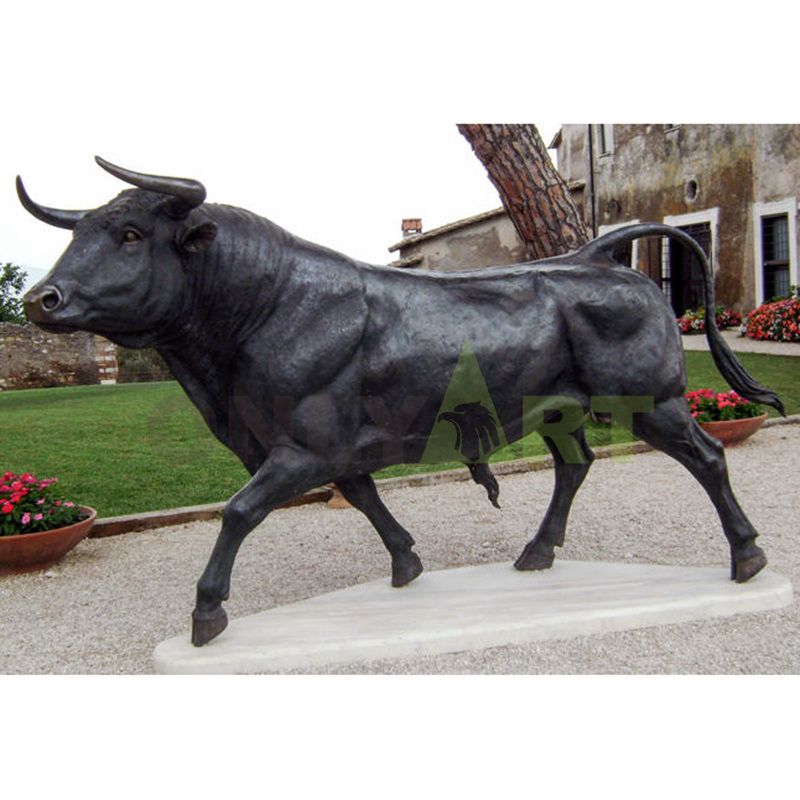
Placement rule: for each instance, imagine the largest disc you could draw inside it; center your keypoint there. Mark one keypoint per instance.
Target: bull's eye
(131, 235)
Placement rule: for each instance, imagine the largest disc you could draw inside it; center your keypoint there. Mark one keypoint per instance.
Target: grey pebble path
(743, 344)
(111, 601)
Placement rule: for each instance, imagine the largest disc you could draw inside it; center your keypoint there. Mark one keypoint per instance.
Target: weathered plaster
(734, 167)
(483, 241)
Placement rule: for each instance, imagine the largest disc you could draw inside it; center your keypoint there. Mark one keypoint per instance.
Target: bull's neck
(252, 269)
(231, 286)
(231, 290)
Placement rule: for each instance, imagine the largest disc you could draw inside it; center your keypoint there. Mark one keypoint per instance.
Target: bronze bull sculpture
(314, 368)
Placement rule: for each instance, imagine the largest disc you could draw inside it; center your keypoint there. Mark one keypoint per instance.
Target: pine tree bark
(533, 193)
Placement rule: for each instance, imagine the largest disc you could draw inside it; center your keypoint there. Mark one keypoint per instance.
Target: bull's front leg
(286, 473)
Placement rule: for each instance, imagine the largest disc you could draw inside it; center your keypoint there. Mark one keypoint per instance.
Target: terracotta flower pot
(28, 552)
(733, 431)
(337, 499)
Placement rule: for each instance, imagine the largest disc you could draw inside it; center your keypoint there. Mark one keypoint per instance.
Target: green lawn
(141, 447)
(121, 449)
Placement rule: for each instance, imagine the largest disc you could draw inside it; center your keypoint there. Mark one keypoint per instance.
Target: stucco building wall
(484, 240)
(727, 176)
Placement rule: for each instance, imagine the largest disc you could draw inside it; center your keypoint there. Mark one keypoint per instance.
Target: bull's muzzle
(41, 303)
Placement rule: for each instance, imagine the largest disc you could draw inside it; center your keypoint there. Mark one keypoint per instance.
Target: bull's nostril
(51, 299)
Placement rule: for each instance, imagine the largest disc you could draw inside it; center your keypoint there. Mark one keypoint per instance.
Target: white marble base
(470, 608)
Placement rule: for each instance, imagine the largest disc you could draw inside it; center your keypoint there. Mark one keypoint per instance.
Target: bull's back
(535, 328)
(419, 328)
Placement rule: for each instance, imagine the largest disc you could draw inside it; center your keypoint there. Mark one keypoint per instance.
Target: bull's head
(124, 273)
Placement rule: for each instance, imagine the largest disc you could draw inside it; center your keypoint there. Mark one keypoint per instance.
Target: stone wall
(31, 358)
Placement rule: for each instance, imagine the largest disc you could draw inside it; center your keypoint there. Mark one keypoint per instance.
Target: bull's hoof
(746, 568)
(208, 625)
(533, 557)
(405, 570)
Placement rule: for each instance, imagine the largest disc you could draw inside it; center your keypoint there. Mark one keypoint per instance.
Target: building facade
(734, 188)
(485, 240)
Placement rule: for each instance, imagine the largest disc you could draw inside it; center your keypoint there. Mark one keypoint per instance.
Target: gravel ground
(111, 601)
(742, 344)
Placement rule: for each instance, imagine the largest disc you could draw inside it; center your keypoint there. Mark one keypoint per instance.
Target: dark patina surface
(314, 368)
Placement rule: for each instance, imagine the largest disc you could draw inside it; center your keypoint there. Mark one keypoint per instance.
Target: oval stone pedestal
(470, 608)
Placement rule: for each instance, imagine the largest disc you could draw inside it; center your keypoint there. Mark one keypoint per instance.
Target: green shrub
(141, 366)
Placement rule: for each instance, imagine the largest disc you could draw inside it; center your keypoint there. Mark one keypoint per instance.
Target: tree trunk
(533, 193)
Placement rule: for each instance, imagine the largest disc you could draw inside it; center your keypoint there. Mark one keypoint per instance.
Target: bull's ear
(198, 237)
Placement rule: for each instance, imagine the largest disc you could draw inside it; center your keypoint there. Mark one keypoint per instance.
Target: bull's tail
(728, 365)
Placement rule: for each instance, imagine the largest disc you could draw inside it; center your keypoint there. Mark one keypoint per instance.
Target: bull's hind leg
(671, 429)
(361, 493)
(539, 553)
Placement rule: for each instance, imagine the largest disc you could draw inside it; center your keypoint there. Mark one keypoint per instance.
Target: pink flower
(37, 517)
(40, 501)
(26, 518)
(69, 504)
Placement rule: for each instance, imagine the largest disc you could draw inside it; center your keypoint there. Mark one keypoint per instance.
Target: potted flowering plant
(727, 416)
(37, 527)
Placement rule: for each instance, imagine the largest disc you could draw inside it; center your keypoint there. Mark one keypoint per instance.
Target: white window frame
(602, 229)
(605, 131)
(709, 215)
(760, 210)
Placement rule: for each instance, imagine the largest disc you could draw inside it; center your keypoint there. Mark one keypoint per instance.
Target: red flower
(6, 508)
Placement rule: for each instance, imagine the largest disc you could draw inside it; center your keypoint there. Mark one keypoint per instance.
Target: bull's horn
(187, 193)
(52, 216)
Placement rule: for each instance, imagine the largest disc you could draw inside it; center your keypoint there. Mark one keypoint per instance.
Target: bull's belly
(491, 377)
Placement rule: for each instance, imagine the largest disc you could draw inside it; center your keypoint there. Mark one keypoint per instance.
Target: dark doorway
(685, 274)
(775, 256)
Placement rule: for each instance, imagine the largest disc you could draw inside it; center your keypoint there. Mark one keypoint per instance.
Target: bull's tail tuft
(734, 373)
